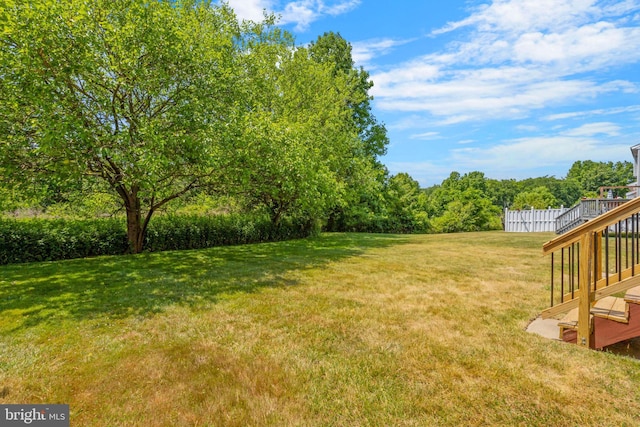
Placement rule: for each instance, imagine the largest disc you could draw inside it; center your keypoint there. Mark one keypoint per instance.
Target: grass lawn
(341, 330)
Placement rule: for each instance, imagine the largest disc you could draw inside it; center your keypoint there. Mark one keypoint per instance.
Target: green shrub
(172, 232)
(31, 240)
(368, 222)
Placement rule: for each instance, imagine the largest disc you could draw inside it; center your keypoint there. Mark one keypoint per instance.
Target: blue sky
(511, 88)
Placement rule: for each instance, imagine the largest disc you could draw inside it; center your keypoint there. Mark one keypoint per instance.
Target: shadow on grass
(139, 285)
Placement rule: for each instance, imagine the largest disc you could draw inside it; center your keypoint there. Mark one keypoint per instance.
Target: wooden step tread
(570, 320)
(570, 323)
(611, 308)
(633, 295)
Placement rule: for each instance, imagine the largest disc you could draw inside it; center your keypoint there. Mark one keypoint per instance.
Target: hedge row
(28, 240)
(198, 232)
(31, 240)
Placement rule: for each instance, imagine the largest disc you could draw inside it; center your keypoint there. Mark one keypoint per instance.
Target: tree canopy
(332, 49)
(156, 99)
(538, 198)
(137, 94)
(591, 175)
(294, 143)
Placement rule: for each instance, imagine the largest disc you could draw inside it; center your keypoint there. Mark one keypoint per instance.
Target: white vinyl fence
(531, 220)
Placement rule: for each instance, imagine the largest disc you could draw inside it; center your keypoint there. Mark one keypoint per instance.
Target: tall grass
(340, 329)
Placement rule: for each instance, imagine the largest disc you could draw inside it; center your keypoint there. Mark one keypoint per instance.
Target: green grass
(342, 329)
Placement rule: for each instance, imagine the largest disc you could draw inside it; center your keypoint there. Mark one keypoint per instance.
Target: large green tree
(364, 177)
(591, 175)
(451, 189)
(332, 49)
(296, 146)
(463, 203)
(537, 198)
(406, 204)
(565, 191)
(469, 210)
(138, 94)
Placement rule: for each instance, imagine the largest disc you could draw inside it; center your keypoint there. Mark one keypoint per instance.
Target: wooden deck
(584, 211)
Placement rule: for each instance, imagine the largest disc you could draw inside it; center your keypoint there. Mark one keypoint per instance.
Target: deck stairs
(613, 320)
(595, 277)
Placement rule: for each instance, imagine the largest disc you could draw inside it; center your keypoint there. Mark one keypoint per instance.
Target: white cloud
(598, 112)
(518, 158)
(301, 13)
(425, 136)
(405, 76)
(252, 10)
(522, 157)
(480, 94)
(518, 56)
(526, 15)
(364, 51)
(339, 8)
(593, 129)
(588, 47)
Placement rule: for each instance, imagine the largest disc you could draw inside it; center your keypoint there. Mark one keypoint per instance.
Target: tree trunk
(135, 228)
(136, 224)
(276, 213)
(134, 231)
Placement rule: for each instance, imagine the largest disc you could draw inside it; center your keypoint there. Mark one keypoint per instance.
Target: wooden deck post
(598, 247)
(585, 293)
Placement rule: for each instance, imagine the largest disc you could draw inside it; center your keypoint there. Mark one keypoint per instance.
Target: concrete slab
(547, 328)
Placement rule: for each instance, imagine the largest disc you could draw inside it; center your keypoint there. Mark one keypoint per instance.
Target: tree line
(146, 106)
(473, 202)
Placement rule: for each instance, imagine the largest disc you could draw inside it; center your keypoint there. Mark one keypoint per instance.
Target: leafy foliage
(590, 175)
(294, 142)
(139, 95)
(332, 49)
(406, 204)
(469, 211)
(538, 198)
(362, 204)
(566, 191)
(393, 205)
(48, 240)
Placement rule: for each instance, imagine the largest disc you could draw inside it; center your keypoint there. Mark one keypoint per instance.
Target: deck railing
(584, 211)
(598, 258)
